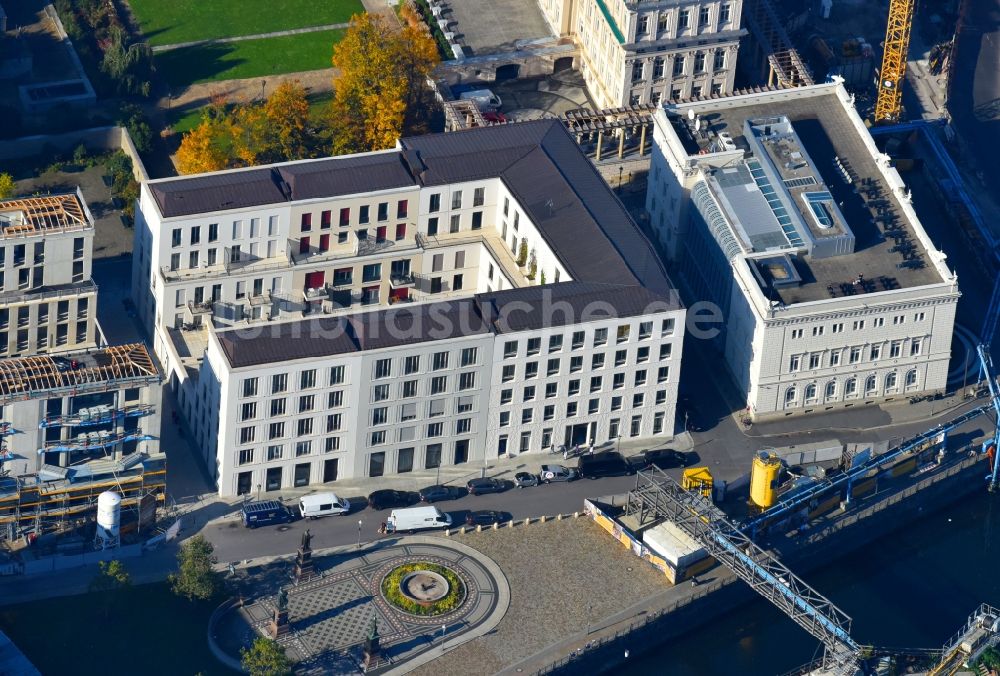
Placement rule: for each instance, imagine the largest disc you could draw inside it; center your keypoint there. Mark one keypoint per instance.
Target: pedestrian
(565, 453)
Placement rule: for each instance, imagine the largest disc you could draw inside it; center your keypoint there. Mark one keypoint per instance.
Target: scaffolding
(97, 370)
(33, 215)
(612, 120)
(60, 498)
(786, 67)
(95, 415)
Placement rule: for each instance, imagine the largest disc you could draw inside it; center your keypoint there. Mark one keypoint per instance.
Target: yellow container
(698, 479)
(764, 480)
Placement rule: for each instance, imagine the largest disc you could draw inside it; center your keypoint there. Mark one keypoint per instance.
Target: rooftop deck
(887, 254)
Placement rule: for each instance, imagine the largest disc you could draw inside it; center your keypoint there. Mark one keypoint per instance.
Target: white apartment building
(48, 302)
(647, 51)
(441, 224)
(779, 208)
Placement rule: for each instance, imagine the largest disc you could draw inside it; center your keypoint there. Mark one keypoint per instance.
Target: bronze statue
(306, 540)
(282, 599)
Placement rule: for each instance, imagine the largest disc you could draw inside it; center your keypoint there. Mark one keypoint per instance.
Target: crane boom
(893, 71)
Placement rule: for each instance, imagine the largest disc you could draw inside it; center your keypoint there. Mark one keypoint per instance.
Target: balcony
(315, 255)
(75, 289)
(369, 246)
(401, 280)
(202, 308)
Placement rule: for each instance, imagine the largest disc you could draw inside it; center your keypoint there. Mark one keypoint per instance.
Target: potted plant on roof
(522, 254)
(532, 266)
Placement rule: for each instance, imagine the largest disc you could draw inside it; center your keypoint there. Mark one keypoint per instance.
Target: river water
(914, 588)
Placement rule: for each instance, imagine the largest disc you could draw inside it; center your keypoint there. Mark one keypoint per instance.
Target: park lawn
(147, 630)
(184, 120)
(166, 22)
(247, 58)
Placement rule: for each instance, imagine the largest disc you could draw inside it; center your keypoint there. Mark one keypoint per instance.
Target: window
(898, 319)
(303, 448)
(383, 368)
(456, 283)
(529, 393)
(479, 197)
(595, 383)
(409, 389)
(578, 340)
(657, 68)
(911, 379)
(336, 375)
(875, 352)
(855, 355)
(600, 337)
(432, 457)
(575, 364)
(334, 422)
(636, 425)
(504, 418)
(307, 379)
(895, 349)
(814, 360)
(871, 384)
(555, 343)
(506, 396)
(534, 346)
(623, 331)
(175, 240)
(818, 330)
(526, 416)
(248, 411)
(507, 374)
(618, 381)
(597, 361)
(552, 368)
(278, 406)
(640, 378)
(637, 71)
(383, 211)
(703, 16)
(469, 356)
(790, 395)
(330, 445)
(400, 231)
(249, 387)
(456, 199)
(245, 457)
(371, 272)
(432, 226)
(304, 427)
(279, 383)
(571, 409)
(666, 350)
(642, 355)
(377, 438)
(796, 333)
(464, 404)
(621, 356)
(915, 345)
(376, 464)
(891, 379)
(213, 232)
(440, 361)
(435, 430)
(679, 63)
(725, 10)
(467, 381)
(663, 374)
(919, 317)
(455, 223)
(435, 203)
(810, 392)
(275, 452)
(699, 59)
(795, 362)
(851, 387)
(510, 349)
(835, 358)
(439, 385)
(531, 370)
(831, 389)
(307, 403)
(642, 26)
(859, 325)
(719, 60)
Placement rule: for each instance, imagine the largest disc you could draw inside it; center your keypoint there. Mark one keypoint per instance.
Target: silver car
(549, 473)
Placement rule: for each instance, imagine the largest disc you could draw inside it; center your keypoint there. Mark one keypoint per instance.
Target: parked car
(265, 513)
(487, 485)
(550, 473)
(487, 517)
(664, 458)
(605, 463)
(439, 492)
(525, 479)
(387, 498)
(323, 504)
(416, 518)
(485, 99)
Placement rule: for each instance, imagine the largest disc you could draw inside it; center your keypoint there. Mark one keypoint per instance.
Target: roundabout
(424, 593)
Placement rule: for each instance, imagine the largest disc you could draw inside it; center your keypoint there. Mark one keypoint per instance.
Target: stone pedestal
(304, 568)
(279, 624)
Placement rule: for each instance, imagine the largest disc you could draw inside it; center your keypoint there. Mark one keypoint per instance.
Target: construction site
(75, 426)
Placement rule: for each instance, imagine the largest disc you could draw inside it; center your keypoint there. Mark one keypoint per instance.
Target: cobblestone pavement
(541, 562)
(330, 615)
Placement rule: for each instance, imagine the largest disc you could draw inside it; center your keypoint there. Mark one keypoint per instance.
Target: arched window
(851, 387)
(790, 395)
(811, 392)
(911, 378)
(831, 389)
(870, 384)
(890, 381)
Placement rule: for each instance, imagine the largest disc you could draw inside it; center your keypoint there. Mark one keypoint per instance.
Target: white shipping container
(674, 545)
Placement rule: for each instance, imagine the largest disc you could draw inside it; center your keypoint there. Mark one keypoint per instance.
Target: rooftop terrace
(842, 179)
(27, 216)
(37, 376)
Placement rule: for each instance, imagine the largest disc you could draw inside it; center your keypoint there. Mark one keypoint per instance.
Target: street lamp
(359, 533)
(443, 628)
(621, 170)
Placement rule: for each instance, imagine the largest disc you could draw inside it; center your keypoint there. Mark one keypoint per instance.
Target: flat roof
(887, 253)
(27, 216)
(30, 377)
(576, 212)
(513, 310)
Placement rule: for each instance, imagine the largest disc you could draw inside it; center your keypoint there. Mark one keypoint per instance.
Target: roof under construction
(26, 216)
(37, 376)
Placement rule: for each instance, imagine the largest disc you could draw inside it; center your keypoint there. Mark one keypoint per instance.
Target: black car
(605, 463)
(488, 485)
(664, 458)
(439, 492)
(385, 499)
(487, 517)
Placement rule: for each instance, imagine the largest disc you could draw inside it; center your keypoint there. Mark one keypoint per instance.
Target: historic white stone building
(648, 51)
(527, 309)
(779, 208)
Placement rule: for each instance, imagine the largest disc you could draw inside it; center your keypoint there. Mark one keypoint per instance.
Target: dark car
(487, 517)
(385, 499)
(265, 513)
(525, 479)
(664, 458)
(439, 492)
(606, 463)
(487, 485)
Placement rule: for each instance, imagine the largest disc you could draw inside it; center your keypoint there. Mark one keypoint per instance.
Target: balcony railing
(315, 255)
(202, 308)
(86, 286)
(397, 280)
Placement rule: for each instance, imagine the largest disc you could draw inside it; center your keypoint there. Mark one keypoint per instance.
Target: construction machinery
(888, 107)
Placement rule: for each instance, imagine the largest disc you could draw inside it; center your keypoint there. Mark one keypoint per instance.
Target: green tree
(132, 118)
(110, 580)
(127, 64)
(7, 186)
(265, 657)
(195, 577)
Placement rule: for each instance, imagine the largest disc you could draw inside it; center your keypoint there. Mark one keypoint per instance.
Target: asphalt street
(233, 542)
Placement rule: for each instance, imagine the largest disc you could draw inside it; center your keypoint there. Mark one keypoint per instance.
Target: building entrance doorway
(577, 435)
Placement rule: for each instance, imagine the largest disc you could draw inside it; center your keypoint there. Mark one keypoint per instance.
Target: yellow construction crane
(893, 71)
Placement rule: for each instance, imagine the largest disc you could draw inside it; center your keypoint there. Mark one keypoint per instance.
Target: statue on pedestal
(372, 649)
(304, 570)
(279, 622)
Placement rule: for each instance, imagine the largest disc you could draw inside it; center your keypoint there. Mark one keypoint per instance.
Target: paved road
(235, 543)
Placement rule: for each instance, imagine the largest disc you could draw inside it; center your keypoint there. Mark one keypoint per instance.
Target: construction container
(698, 479)
(764, 478)
(679, 551)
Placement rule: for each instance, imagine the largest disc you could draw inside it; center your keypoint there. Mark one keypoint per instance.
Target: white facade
(636, 52)
(837, 342)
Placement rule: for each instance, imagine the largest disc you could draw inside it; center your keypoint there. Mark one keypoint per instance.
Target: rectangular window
(245, 457)
(596, 383)
(506, 396)
(915, 345)
(507, 374)
(576, 364)
(383, 368)
(249, 387)
(435, 203)
(440, 361)
(402, 208)
(307, 379)
(307, 221)
(303, 448)
(467, 381)
(304, 427)
(578, 340)
(510, 349)
(336, 375)
(477, 220)
(814, 361)
(439, 385)
(383, 211)
(875, 353)
(380, 415)
(895, 349)
(552, 367)
(597, 361)
(334, 422)
(277, 407)
(469, 356)
(411, 364)
(534, 346)
(455, 223)
(526, 415)
(531, 370)
(377, 438)
(247, 434)
(432, 457)
(248, 411)
(380, 392)
(376, 464)
(600, 337)
(409, 389)
(529, 393)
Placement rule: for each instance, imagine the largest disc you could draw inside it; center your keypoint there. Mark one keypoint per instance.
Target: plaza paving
(330, 615)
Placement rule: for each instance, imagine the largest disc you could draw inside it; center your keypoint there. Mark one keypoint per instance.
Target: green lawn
(167, 22)
(147, 631)
(249, 58)
(182, 121)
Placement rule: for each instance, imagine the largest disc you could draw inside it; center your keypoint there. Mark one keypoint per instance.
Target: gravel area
(557, 571)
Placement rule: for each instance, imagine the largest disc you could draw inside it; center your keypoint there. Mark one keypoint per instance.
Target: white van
(485, 99)
(322, 504)
(416, 518)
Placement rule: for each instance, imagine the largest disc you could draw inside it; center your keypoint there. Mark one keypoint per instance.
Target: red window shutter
(324, 242)
(380, 233)
(400, 231)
